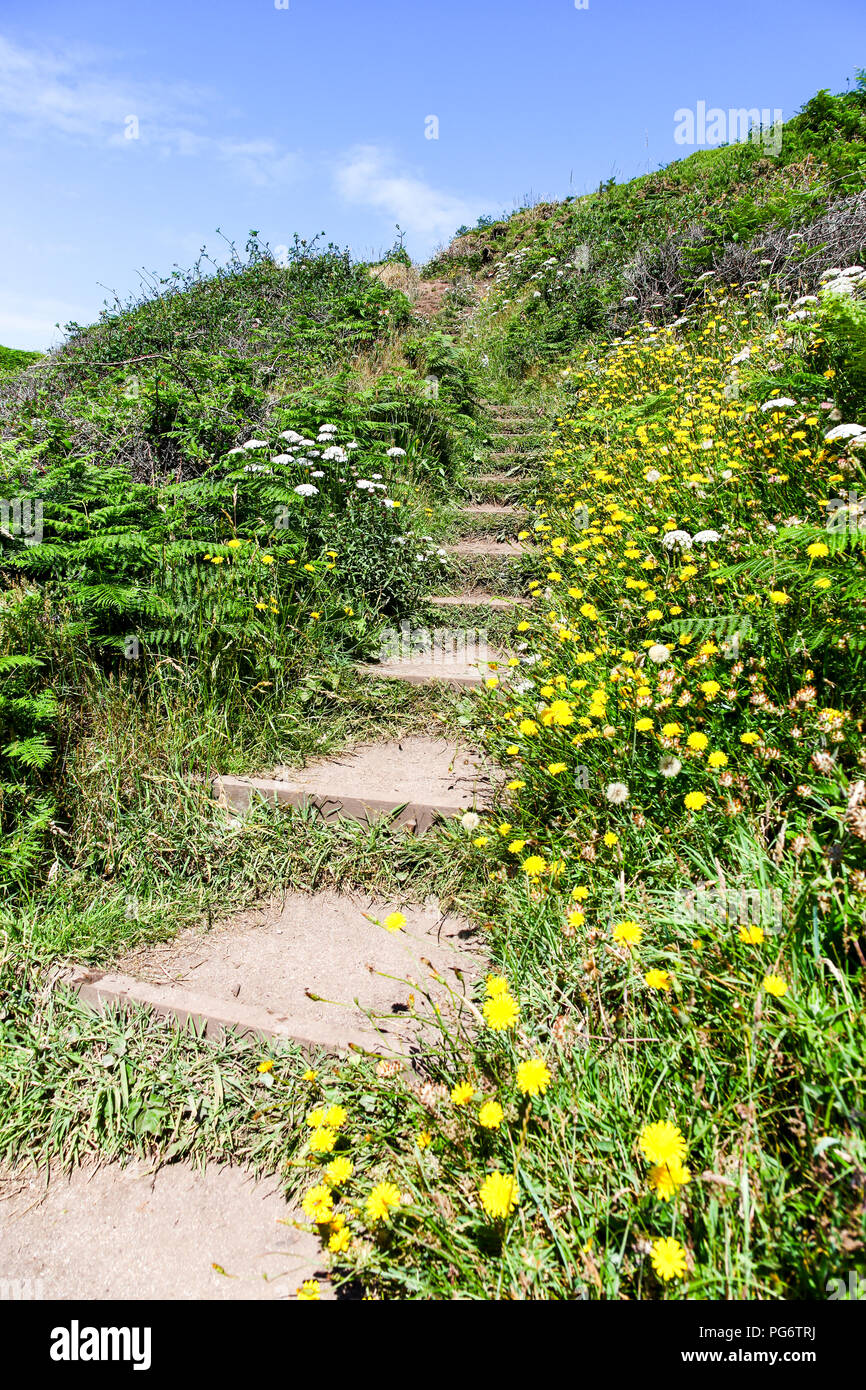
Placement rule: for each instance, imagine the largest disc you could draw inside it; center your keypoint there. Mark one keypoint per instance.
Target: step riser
(239, 793)
(496, 605)
(103, 992)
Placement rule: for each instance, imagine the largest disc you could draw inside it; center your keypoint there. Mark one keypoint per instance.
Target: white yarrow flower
(705, 537)
(306, 490)
(396, 453)
(845, 432)
(679, 540)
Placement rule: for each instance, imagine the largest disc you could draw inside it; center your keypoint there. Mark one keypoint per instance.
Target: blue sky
(313, 117)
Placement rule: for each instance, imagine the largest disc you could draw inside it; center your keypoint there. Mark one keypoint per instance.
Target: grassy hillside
(14, 359)
(664, 1093)
(548, 275)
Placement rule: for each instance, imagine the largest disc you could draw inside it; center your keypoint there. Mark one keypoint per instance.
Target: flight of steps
(315, 970)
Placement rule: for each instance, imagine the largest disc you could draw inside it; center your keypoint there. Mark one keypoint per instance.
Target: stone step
(512, 477)
(315, 969)
(492, 509)
(503, 549)
(413, 780)
(460, 671)
(517, 456)
(499, 604)
(137, 1231)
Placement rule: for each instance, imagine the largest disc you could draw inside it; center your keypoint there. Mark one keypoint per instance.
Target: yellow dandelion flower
(501, 1012)
(463, 1093)
(395, 921)
(629, 933)
(318, 1204)
(775, 985)
(496, 984)
(322, 1140)
(662, 1143)
(498, 1195)
(533, 1077)
(308, 1292)
(752, 934)
(338, 1171)
(383, 1197)
(668, 1178)
(533, 866)
(491, 1115)
(668, 1259)
(658, 979)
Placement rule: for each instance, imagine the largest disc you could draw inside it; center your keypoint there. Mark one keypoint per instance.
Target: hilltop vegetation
(548, 275)
(13, 359)
(664, 1093)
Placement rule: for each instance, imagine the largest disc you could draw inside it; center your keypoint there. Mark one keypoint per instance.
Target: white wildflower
(616, 793)
(677, 540)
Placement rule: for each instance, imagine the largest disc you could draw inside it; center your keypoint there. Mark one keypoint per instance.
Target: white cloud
(259, 162)
(75, 96)
(367, 177)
